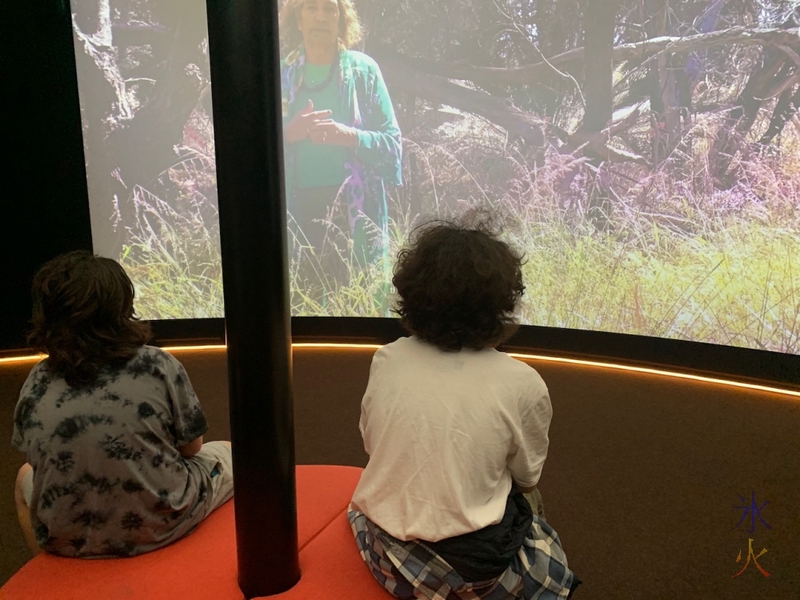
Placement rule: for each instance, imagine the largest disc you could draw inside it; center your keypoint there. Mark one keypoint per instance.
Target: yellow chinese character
(755, 559)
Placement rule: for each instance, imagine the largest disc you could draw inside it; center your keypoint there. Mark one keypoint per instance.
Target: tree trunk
(599, 20)
(96, 68)
(740, 119)
(158, 125)
(126, 146)
(667, 131)
(599, 17)
(786, 108)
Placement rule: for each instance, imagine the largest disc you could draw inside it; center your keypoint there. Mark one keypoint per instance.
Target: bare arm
(192, 448)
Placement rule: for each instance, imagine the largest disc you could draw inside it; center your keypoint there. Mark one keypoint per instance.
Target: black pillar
(245, 74)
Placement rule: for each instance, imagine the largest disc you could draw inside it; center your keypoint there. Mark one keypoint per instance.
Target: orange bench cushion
(203, 564)
(332, 569)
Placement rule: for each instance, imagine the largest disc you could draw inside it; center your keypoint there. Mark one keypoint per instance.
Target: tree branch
(400, 74)
(633, 51)
(500, 111)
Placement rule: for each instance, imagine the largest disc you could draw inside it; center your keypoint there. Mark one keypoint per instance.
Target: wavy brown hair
(350, 32)
(83, 316)
(459, 284)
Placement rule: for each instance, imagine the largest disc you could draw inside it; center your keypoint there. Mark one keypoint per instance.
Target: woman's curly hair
(350, 32)
(458, 285)
(83, 316)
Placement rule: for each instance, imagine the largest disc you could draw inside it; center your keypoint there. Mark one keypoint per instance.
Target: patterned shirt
(108, 477)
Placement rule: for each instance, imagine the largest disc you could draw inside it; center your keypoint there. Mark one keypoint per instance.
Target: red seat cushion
(203, 564)
(323, 492)
(332, 569)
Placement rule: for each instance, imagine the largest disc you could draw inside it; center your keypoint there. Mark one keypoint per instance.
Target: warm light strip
(335, 346)
(19, 359)
(556, 359)
(184, 348)
(592, 363)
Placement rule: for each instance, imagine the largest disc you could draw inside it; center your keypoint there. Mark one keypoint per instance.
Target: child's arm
(192, 448)
(527, 460)
(189, 422)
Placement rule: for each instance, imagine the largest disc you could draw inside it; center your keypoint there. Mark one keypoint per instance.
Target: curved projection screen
(646, 160)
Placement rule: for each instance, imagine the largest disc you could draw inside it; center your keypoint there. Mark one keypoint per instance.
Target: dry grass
(657, 252)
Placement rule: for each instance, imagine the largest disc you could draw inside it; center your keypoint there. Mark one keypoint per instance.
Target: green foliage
(173, 255)
(739, 286)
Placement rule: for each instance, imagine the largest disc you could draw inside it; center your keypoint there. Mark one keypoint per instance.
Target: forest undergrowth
(657, 251)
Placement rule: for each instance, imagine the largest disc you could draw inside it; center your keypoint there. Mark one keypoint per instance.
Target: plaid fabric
(410, 570)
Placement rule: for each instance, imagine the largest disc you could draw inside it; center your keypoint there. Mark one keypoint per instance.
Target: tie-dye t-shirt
(108, 477)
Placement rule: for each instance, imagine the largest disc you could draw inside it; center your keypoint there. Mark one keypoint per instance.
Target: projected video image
(644, 154)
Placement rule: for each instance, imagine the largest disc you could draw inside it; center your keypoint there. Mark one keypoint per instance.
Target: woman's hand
(299, 128)
(329, 132)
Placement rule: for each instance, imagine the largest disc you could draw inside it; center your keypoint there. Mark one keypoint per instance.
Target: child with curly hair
(111, 428)
(457, 433)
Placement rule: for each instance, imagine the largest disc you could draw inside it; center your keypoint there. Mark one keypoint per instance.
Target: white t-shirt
(446, 432)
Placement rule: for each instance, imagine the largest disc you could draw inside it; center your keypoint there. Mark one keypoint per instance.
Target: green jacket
(376, 161)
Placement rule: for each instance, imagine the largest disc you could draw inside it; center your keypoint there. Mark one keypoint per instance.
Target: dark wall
(45, 209)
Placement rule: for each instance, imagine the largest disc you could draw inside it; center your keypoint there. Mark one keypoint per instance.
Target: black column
(41, 115)
(245, 74)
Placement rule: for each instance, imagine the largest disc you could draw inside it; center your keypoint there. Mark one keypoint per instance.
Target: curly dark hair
(83, 316)
(459, 285)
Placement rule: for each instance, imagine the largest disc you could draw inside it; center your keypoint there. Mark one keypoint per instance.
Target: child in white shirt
(457, 433)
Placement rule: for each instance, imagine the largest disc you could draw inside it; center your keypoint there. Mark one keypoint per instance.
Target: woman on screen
(342, 141)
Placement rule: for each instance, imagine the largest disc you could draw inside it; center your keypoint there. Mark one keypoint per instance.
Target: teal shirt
(375, 162)
(319, 165)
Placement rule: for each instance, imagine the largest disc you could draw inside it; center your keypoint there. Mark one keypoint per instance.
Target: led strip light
(534, 357)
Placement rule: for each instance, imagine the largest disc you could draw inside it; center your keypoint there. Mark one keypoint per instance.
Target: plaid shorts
(410, 570)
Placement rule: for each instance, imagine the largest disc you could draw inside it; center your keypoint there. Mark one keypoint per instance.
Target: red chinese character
(755, 559)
